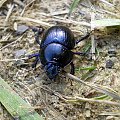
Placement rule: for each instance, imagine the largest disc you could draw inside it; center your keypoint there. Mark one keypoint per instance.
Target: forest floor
(33, 85)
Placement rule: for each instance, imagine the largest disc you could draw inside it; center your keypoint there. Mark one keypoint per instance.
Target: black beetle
(55, 50)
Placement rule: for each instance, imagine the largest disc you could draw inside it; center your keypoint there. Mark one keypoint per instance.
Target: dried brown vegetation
(60, 100)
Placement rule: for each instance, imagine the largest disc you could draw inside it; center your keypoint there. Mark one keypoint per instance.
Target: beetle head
(52, 70)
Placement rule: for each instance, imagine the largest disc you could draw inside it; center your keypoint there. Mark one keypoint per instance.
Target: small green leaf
(102, 97)
(73, 5)
(105, 22)
(14, 103)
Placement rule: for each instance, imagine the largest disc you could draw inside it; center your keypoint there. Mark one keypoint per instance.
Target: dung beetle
(55, 50)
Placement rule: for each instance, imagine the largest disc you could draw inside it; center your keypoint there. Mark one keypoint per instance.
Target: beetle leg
(80, 53)
(86, 53)
(83, 38)
(37, 37)
(38, 31)
(37, 59)
(72, 68)
(36, 62)
(34, 55)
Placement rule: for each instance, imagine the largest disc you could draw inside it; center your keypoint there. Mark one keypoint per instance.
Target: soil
(33, 85)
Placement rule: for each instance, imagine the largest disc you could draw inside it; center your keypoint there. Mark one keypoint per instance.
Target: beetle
(55, 50)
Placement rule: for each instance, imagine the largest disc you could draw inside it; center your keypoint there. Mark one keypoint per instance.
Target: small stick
(72, 21)
(26, 7)
(110, 113)
(59, 12)
(92, 36)
(5, 39)
(109, 92)
(53, 19)
(2, 2)
(33, 107)
(11, 43)
(79, 99)
(107, 3)
(26, 19)
(8, 60)
(8, 14)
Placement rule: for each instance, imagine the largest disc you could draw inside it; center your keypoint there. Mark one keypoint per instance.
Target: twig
(110, 113)
(108, 12)
(92, 36)
(26, 7)
(46, 88)
(99, 10)
(33, 107)
(59, 12)
(5, 39)
(79, 99)
(27, 88)
(8, 60)
(12, 43)
(32, 20)
(64, 20)
(53, 13)
(55, 19)
(106, 2)
(8, 14)
(71, 21)
(2, 2)
(99, 88)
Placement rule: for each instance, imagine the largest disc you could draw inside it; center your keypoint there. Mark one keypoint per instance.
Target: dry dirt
(33, 85)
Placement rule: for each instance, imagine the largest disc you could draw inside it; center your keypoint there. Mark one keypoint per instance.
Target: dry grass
(53, 101)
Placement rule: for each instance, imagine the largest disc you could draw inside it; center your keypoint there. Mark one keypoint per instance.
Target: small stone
(87, 113)
(21, 29)
(20, 53)
(109, 64)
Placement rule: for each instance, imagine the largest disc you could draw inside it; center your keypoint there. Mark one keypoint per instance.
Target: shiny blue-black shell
(58, 34)
(56, 46)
